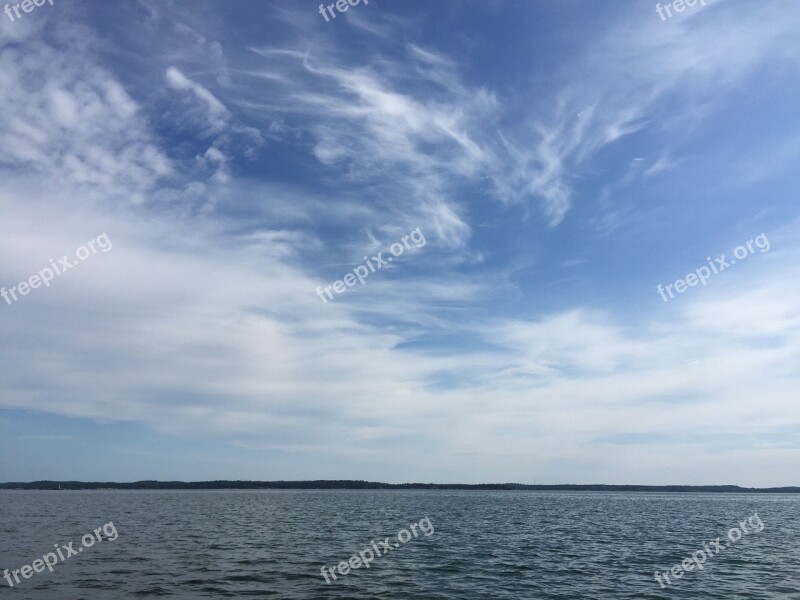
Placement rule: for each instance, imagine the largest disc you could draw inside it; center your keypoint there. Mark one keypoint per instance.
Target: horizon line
(363, 484)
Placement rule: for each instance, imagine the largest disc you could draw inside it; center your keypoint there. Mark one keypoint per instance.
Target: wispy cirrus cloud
(390, 115)
(80, 126)
(214, 114)
(645, 75)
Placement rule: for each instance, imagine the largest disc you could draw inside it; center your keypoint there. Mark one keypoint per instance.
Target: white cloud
(186, 329)
(623, 83)
(216, 113)
(80, 127)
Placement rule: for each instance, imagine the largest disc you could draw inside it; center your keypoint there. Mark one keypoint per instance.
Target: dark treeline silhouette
(372, 485)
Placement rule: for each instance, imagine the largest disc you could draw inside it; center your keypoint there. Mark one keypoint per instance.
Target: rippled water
(271, 544)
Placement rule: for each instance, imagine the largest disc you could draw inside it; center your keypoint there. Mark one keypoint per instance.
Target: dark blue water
(271, 544)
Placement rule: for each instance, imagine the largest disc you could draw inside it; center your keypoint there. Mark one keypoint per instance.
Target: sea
(425, 545)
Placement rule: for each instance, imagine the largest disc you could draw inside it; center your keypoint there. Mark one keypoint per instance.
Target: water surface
(515, 545)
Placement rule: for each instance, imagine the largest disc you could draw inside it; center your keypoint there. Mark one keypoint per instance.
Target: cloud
(644, 74)
(216, 114)
(364, 124)
(80, 127)
(190, 329)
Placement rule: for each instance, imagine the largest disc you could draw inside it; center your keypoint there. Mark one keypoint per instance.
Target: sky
(549, 165)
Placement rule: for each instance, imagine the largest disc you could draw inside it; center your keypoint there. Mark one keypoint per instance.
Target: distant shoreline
(372, 485)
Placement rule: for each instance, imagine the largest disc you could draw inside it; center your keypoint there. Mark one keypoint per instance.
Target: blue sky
(562, 160)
